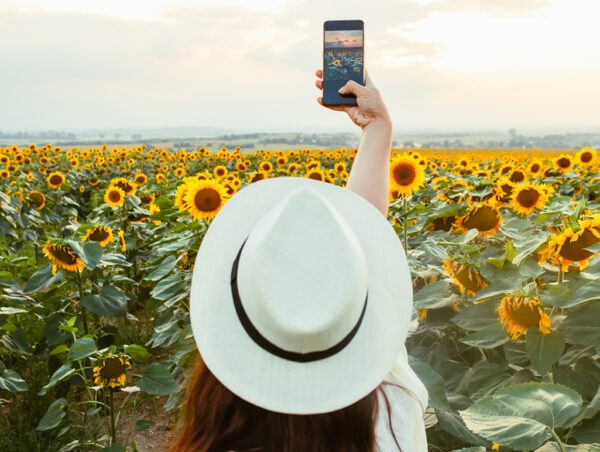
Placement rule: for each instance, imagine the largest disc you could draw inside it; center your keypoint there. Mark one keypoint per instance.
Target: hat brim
(274, 383)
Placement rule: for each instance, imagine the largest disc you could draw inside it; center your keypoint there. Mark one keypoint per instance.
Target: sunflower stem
(113, 434)
(405, 230)
(558, 441)
(560, 276)
(83, 312)
(36, 255)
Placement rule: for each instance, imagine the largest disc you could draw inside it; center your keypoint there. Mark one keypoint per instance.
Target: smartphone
(343, 59)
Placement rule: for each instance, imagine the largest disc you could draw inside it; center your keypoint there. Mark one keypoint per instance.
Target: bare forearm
(370, 173)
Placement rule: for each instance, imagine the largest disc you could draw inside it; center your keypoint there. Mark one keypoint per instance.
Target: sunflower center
(517, 176)
(315, 175)
(483, 219)
(405, 174)
(99, 234)
(114, 195)
(574, 249)
(112, 368)
(519, 311)
(124, 186)
(564, 162)
(62, 254)
(207, 200)
(528, 197)
(55, 180)
(36, 198)
(535, 167)
(586, 157)
(468, 278)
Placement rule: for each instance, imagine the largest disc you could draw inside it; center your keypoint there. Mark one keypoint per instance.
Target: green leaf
(62, 348)
(10, 311)
(164, 285)
(12, 381)
(520, 416)
(589, 291)
(115, 259)
(55, 414)
(61, 373)
(42, 279)
(81, 348)
(138, 353)
(528, 245)
(531, 269)
(157, 380)
(582, 326)
(433, 296)
(90, 252)
(453, 424)
(432, 381)
(476, 316)
(470, 449)
(17, 342)
(544, 350)
(589, 431)
(114, 447)
(110, 302)
(488, 337)
(165, 267)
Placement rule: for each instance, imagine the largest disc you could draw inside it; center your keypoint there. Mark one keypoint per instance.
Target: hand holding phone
(370, 107)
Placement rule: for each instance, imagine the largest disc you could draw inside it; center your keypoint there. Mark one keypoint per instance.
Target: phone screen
(343, 59)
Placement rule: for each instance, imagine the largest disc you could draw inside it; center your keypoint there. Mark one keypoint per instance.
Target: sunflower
(586, 156)
(449, 195)
(564, 163)
(101, 234)
(464, 277)
(504, 190)
(63, 256)
(4, 174)
(535, 167)
(220, 171)
(55, 179)
(205, 198)
(111, 372)
(155, 209)
(529, 197)
(520, 313)
(569, 247)
(256, 176)
(485, 217)
(336, 62)
(114, 196)
(128, 187)
(316, 175)
(179, 172)
(37, 199)
(517, 176)
(140, 178)
(121, 235)
(406, 175)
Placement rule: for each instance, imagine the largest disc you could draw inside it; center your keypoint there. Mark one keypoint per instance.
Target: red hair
(217, 420)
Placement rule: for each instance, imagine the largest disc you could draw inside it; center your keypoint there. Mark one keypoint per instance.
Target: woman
(300, 304)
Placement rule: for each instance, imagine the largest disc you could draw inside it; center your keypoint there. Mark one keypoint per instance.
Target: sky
(248, 66)
(343, 38)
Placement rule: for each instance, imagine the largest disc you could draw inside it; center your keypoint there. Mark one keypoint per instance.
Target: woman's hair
(217, 420)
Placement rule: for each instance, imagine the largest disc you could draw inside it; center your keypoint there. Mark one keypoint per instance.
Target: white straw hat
(301, 296)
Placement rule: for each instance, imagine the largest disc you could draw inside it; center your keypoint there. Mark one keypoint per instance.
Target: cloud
(438, 64)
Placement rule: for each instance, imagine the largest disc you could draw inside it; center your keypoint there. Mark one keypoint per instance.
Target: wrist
(380, 124)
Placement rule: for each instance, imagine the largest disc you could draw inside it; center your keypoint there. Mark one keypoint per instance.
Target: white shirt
(407, 411)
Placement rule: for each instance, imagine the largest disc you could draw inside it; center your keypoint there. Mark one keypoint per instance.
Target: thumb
(352, 87)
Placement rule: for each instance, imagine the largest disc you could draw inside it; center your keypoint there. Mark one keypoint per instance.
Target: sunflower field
(97, 248)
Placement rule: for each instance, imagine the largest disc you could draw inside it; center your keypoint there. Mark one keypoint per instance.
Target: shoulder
(399, 411)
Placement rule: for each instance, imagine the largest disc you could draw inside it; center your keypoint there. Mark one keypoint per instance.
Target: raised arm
(370, 173)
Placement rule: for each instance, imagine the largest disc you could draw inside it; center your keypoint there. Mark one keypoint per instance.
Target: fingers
(352, 87)
(319, 84)
(319, 73)
(336, 108)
